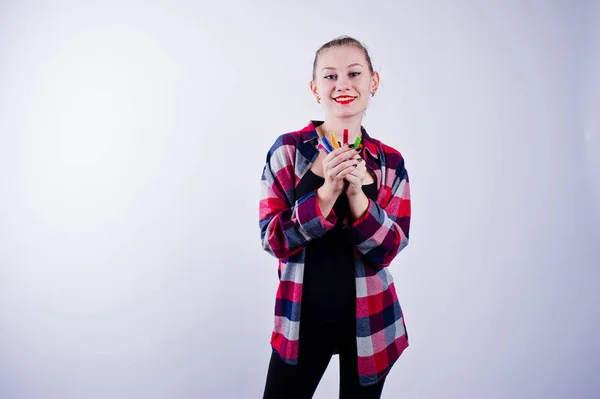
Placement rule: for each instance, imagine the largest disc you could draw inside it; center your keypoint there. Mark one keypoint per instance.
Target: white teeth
(344, 98)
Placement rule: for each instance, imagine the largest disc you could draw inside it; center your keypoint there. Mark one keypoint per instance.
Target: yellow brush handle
(334, 141)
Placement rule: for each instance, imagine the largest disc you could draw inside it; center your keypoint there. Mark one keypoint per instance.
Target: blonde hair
(340, 42)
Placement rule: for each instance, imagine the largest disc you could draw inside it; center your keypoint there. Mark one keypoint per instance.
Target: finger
(339, 176)
(353, 180)
(356, 177)
(338, 173)
(338, 156)
(360, 174)
(343, 166)
(353, 174)
(338, 162)
(346, 172)
(362, 165)
(357, 174)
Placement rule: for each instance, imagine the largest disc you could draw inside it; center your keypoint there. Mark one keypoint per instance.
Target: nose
(342, 83)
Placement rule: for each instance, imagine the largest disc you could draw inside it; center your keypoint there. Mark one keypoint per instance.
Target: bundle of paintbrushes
(327, 146)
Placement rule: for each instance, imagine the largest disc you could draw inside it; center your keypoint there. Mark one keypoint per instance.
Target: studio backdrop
(132, 141)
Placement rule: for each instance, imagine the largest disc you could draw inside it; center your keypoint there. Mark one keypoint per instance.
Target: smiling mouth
(344, 99)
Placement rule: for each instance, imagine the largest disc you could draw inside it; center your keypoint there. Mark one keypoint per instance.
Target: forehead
(341, 57)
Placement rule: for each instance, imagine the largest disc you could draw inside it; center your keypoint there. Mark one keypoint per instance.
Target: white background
(132, 140)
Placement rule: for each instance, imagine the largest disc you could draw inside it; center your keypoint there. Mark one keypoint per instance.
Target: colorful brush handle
(326, 144)
(322, 147)
(334, 140)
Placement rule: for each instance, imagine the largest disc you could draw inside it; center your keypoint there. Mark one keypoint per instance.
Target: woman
(335, 221)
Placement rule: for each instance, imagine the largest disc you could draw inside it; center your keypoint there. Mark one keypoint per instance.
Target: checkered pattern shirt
(288, 224)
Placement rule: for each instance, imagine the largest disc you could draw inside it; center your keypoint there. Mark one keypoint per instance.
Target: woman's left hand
(356, 177)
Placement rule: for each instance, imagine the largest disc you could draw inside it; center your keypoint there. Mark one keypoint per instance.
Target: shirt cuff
(310, 217)
(368, 224)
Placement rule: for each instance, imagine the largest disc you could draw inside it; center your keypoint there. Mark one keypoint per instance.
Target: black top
(329, 291)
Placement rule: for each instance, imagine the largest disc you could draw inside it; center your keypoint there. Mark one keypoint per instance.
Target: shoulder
(288, 142)
(289, 139)
(282, 151)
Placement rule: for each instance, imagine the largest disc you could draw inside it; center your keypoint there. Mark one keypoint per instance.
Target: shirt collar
(309, 133)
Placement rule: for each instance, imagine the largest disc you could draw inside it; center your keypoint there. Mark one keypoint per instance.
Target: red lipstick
(347, 100)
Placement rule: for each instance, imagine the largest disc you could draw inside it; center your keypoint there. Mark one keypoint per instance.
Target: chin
(346, 113)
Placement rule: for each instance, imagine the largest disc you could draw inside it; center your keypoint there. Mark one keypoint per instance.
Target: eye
(329, 76)
(354, 74)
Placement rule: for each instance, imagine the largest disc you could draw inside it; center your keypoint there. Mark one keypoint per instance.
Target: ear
(313, 89)
(375, 82)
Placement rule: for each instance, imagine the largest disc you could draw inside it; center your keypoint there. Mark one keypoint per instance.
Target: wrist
(359, 204)
(325, 201)
(356, 195)
(326, 194)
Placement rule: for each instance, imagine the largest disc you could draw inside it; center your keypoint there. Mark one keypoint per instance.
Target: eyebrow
(349, 66)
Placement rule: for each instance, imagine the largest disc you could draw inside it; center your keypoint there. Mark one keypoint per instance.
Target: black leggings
(317, 342)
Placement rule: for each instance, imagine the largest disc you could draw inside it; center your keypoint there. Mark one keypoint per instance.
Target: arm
(286, 224)
(381, 232)
(325, 201)
(358, 204)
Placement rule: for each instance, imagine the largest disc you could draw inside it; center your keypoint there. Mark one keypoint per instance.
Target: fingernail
(351, 145)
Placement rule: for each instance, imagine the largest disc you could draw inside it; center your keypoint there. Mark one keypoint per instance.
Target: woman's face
(343, 81)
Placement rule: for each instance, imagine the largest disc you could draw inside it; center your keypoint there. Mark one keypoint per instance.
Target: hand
(356, 177)
(337, 165)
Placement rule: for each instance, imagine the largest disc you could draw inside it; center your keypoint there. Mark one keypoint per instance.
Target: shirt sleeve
(287, 224)
(383, 230)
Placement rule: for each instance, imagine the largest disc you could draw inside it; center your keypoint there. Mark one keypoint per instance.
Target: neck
(338, 125)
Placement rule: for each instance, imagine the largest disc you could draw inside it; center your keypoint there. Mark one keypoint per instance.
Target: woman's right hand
(336, 166)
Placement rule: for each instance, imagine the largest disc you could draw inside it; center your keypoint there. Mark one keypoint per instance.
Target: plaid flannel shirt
(288, 224)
